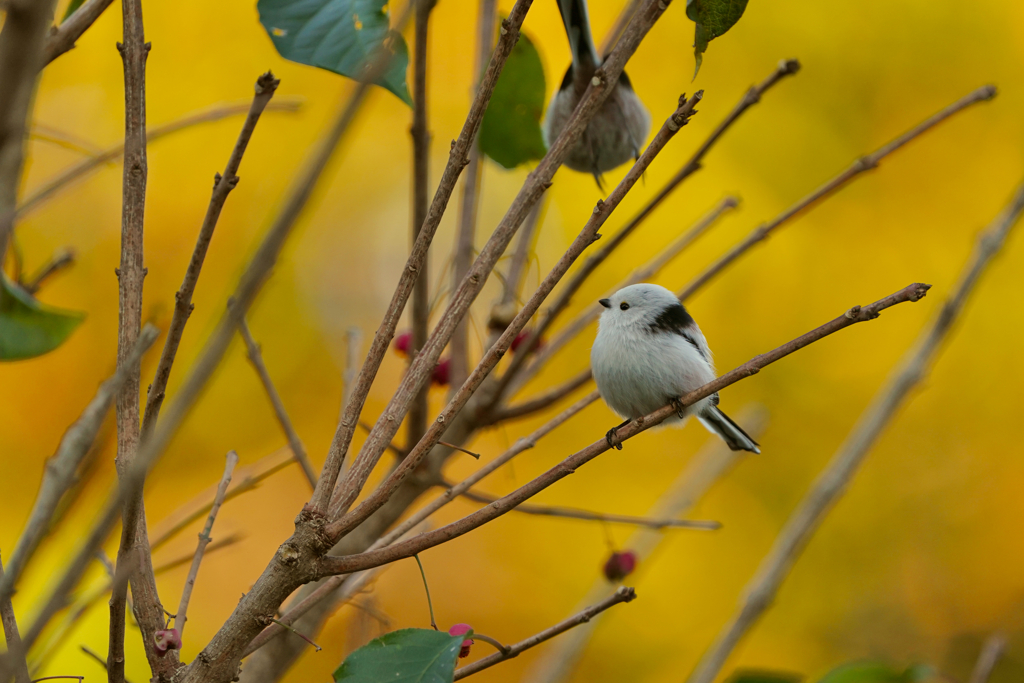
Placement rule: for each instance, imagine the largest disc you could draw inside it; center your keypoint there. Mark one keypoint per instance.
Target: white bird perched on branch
(648, 353)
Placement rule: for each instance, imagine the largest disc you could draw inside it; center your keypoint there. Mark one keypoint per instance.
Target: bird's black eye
(624, 306)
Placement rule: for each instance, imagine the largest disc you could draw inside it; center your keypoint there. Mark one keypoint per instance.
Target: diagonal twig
(204, 540)
(15, 655)
(294, 442)
(63, 37)
(833, 481)
(991, 651)
(623, 594)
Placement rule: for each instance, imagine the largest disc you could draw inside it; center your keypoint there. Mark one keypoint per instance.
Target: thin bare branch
(709, 465)
(833, 481)
(61, 468)
(623, 594)
(368, 458)
(62, 38)
(341, 565)
(182, 560)
(588, 516)
(65, 258)
(457, 160)
(204, 540)
(294, 442)
(991, 651)
(865, 163)
(540, 402)
(21, 58)
(15, 655)
(521, 256)
(416, 422)
(246, 479)
(459, 345)
(134, 546)
(266, 86)
(114, 152)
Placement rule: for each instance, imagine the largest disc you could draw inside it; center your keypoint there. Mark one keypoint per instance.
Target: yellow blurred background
(918, 563)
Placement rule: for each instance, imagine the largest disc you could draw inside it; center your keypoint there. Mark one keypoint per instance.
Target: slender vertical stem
(417, 419)
(426, 588)
(458, 347)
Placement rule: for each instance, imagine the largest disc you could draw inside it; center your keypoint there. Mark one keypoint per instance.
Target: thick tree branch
(457, 160)
(62, 38)
(62, 467)
(294, 442)
(833, 481)
(623, 594)
(204, 540)
(266, 86)
(15, 656)
(865, 163)
(368, 458)
(342, 565)
(114, 152)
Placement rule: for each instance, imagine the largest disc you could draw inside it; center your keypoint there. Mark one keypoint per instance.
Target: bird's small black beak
(605, 302)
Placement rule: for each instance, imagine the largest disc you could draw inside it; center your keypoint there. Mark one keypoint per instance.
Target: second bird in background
(616, 133)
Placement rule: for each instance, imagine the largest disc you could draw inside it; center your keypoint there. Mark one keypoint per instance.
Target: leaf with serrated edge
(338, 35)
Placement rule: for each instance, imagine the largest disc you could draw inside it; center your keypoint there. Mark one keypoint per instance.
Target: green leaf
(876, 672)
(763, 676)
(713, 18)
(337, 35)
(411, 655)
(72, 6)
(29, 328)
(510, 132)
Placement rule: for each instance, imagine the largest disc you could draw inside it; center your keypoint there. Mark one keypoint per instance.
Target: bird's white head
(640, 305)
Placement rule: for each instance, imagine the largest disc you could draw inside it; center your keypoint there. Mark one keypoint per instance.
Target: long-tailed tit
(619, 128)
(648, 353)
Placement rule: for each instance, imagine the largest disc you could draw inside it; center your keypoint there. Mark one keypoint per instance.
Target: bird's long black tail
(577, 26)
(719, 423)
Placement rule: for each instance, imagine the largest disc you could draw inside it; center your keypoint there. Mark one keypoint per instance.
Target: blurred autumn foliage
(916, 565)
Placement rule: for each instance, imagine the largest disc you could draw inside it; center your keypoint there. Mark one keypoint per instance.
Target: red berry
(620, 565)
(459, 630)
(403, 342)
(167, 640)
(521, 339)
(442, 373)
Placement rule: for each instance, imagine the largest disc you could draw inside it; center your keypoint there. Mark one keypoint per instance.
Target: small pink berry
(620, 565)
(167, 640)
(442, 373)
(403, 342)
(459, 630)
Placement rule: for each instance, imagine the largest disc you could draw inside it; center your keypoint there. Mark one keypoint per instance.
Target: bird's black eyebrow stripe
(676, 320)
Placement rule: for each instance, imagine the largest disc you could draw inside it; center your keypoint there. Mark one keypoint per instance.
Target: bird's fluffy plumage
(649, 351)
